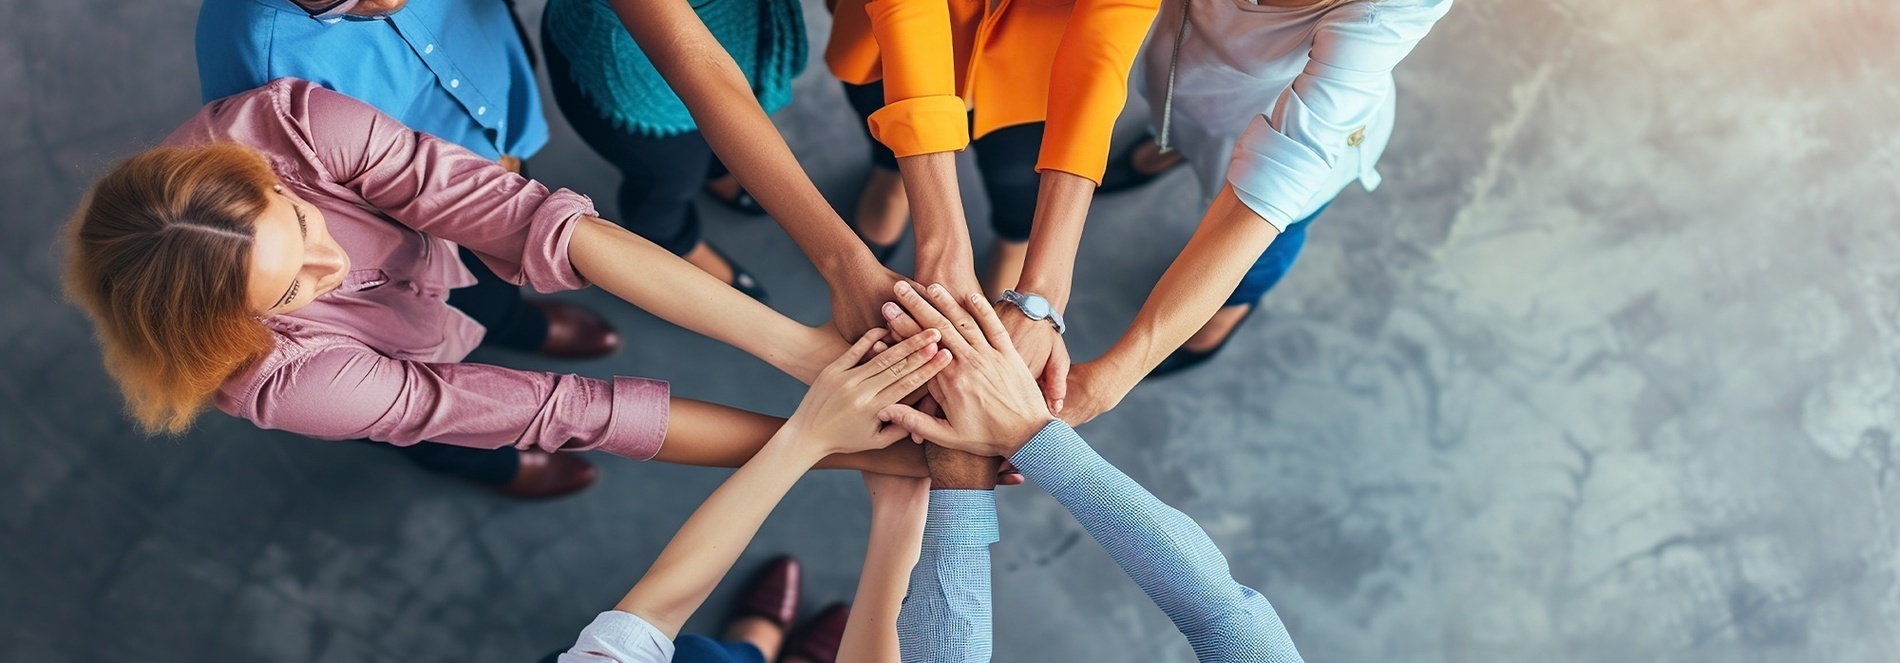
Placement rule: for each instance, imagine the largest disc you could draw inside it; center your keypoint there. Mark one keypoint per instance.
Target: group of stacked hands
(957, 350)
(975, 381)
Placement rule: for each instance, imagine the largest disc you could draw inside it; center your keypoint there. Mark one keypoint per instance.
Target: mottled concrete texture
(1605, 372)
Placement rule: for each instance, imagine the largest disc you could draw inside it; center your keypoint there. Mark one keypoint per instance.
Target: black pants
(659, 175)
(1006, 158)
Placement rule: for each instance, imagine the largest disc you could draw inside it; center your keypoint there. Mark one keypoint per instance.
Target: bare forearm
(1230, 238)
(660, 283)
(936, 207)
(715, 91)
(897, 530)
(712, 435)
(1062, 209)
(710, 542)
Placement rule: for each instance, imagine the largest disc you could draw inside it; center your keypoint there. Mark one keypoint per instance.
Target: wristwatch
(1036, 307)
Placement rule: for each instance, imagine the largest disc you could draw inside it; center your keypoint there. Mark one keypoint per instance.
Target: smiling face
(294, 260)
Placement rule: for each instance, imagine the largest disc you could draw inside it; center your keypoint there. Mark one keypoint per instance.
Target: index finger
(927, 315)
(946, 303)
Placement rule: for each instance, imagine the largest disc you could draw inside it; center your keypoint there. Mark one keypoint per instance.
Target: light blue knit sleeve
(1161, 549)
(946, 613)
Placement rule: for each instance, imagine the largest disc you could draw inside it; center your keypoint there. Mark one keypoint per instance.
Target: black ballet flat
(742, 280)
(1183, 359)
(1122, 175)
(743, 203)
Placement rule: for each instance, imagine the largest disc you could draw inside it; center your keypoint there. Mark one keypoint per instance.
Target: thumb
(922, 425)
(1055, 378)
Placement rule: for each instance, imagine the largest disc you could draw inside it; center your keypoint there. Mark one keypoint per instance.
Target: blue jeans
(701, 649)
(1273, 263)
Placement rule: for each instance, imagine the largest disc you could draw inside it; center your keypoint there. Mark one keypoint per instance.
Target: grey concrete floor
(1605, 372)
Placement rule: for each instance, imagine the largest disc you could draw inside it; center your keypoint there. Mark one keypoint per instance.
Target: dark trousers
(488, 466)
(1274, 263)
(659, 175)
(1006, 158)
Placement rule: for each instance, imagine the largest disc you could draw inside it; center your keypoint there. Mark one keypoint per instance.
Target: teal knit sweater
(766, 38)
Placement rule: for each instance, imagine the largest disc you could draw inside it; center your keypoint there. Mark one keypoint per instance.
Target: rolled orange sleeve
(922, 112)
(1089, 85)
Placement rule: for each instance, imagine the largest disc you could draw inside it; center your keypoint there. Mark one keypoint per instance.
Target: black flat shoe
(742, 203)
(742, 280)
(1183, 358)
(1122, 174)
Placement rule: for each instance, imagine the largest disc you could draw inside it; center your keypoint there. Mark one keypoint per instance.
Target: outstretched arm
(898, 506)
(994, 408)
(1230, 238)
(836, 416)
(657, 281)
(1160, 548)
(715, 91)
(946, 615)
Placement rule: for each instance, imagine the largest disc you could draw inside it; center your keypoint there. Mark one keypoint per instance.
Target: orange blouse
(940, 59)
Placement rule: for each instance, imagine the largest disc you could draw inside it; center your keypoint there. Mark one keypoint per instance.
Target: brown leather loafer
(543, 475)
(819, 639)
(575, 332)
(773, 593)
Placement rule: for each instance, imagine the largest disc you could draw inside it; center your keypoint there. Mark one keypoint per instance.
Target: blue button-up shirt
(946, 616)
(453, 68)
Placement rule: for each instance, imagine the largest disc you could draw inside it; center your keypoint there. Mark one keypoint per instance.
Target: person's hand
(1042, 349)
(818, 349)
(855, 298)
(1089, 394)
(839, 414)
(991, 403)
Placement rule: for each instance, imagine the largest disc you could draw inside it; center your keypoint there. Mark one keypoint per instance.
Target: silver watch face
(1035, 306)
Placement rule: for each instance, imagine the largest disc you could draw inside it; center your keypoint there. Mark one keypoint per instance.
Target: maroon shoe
(773, 593)
(820, 637)
(543, 475)
(575, 332)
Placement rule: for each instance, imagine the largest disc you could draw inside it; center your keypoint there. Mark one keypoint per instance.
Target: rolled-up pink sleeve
(517, 226)
(347, 392)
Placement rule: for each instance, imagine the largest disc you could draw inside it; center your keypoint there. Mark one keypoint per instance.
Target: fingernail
(1058, 405)
(903, 287)
(977, 298)
(936, 289)
(891, 311)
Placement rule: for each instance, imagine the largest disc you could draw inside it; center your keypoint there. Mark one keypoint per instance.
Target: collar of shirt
(426, 27)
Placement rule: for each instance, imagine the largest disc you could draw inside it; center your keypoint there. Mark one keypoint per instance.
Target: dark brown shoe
(773, 593)
(543, 475)
(575, 332)
(819, 639)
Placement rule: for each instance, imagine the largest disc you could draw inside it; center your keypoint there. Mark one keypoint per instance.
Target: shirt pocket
(360, 280)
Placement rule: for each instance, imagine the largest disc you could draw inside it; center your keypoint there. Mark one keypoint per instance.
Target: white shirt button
(428, 49)
(455, 83)
(482, 110)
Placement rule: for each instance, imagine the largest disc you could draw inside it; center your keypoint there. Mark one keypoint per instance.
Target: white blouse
(619, 637)
(1287, 104)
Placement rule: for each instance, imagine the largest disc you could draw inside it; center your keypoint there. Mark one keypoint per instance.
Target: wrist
(845, 268)
(794, 443)
(955, 470)
(810, 351)
(1029, 431)
(1055, 290)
